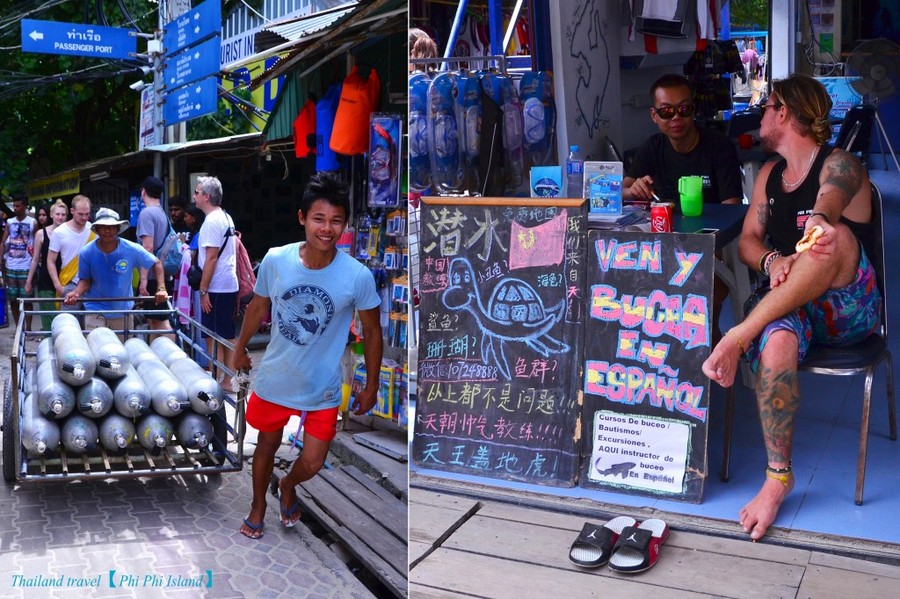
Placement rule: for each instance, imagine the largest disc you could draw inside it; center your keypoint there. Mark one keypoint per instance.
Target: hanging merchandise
(539, 118)
(326, 159)
(471, 99)
(305, 130)
(359, 98)
(445, 137)
(503, 91)
(384, 160)
(419, 163)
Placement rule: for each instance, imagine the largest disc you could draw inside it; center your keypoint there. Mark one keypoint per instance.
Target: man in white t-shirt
(312, 290)
(66, 242)
(18, 246)
(216, 257)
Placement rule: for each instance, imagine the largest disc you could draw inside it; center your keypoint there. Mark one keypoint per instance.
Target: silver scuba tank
(109, 353)
(167, 396)
(204, 393)
(79, 434)
(139, 351)
(39, 435)
(154, 432)
(167, 350)
(54, 398)
(74, 360)
(194, 430)
(131, 397)
(94, 399)
(116, 432)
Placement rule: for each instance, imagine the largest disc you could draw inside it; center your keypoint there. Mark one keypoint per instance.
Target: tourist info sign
(51, 37)
(191, 101)
(193, 26)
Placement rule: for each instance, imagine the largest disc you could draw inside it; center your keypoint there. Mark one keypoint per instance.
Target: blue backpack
(169, 253)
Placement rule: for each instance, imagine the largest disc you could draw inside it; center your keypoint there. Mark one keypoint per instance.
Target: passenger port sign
(74, 39)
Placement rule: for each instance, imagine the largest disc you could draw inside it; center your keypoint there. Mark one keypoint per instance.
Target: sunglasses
(668, 112)
(764, 107)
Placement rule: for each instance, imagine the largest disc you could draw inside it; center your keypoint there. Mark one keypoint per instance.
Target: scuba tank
(109, 353)
(194, 431)
(116, 432)
(74, 361)
(79, 434)
(130, 395)
(154, 432)
(203, 392)
(54, 398)
(94, 399)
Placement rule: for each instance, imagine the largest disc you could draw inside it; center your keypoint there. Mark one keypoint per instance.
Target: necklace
(803, 176)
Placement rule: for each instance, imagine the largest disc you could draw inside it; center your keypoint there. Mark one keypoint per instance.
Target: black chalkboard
(501, 327)
(646, 400)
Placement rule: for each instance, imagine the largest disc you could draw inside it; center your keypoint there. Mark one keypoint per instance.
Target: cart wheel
(9, 466)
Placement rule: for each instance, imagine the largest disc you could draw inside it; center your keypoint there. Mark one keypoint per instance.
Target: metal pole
(454, 31)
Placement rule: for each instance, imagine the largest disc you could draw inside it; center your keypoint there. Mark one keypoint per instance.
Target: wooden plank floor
(369, 521)
(462, 547)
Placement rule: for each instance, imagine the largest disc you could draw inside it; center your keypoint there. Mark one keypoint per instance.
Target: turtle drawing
(514, 313)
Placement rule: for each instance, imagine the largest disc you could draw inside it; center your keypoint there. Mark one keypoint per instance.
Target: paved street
(157, 537)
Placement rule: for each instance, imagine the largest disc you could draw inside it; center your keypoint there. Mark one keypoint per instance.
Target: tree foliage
(749, 14)
(59, 111)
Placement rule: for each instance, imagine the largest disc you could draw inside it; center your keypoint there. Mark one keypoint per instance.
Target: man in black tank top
(826, 295)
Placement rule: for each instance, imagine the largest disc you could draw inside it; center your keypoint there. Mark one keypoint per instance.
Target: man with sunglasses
(682, 149)
(825, 296)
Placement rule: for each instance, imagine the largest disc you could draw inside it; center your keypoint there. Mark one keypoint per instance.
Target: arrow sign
(193, 26)
(191, 101)
(50, 37)
(194, 63)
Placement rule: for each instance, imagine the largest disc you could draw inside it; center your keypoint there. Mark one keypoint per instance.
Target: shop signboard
(501, 327)
(646, 400)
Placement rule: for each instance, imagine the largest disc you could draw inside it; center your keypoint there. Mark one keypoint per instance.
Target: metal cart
(223, 454)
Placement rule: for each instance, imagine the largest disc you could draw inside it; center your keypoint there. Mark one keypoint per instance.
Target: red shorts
(267, 417)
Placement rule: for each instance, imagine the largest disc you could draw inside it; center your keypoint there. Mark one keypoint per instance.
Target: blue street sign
(191, 101)
(50, 37)
(194, 63)
(193, 26)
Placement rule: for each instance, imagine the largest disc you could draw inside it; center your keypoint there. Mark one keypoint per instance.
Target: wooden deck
(370, 522)
(462, 545)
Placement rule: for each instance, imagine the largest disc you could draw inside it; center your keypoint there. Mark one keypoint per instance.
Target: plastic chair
(860, 358)
(855, 134)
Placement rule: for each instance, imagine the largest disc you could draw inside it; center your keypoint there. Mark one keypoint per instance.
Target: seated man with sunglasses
(682, 149)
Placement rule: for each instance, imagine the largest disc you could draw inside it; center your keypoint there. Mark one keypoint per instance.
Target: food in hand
(810, 236)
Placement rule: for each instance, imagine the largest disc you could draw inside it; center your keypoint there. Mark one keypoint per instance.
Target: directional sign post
(194, 63)
(191, 101)
(50, 37)
(194, 25)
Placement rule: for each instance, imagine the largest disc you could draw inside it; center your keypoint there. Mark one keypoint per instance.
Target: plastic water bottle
(574, 173)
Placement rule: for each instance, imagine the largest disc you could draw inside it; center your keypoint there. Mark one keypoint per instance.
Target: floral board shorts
(836, 318)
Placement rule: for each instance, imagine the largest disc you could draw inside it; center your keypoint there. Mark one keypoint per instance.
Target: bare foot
(758, 515)
(290, 507)
(722, 363)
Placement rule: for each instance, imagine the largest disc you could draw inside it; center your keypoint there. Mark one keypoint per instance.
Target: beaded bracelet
(782, 475)
(762, 261)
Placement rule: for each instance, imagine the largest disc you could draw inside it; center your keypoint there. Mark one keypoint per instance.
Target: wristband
(769, 260)
(822, 214)
(762, 261)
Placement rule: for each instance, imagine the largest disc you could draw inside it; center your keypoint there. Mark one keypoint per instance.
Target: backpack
(169, 253)
(246, 276)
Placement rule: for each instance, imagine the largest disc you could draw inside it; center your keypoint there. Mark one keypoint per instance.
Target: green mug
(691, 191)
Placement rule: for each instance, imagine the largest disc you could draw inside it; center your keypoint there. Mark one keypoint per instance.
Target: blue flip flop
(256, 528)
(287, 513)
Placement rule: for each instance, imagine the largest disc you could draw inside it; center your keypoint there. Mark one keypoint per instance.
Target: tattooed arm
(752, 244)
(844, 189)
